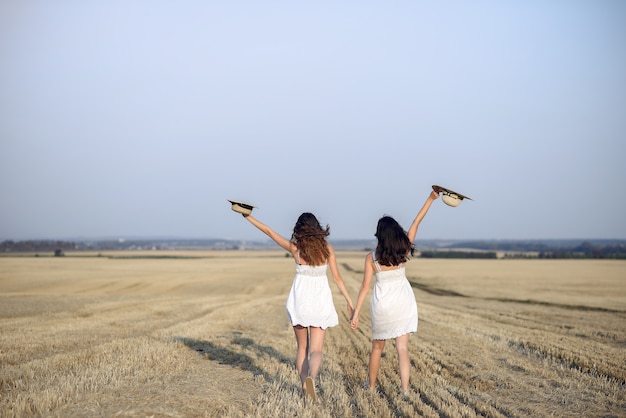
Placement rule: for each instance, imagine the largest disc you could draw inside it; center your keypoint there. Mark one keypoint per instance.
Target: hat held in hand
(241, 207)
(449, 197)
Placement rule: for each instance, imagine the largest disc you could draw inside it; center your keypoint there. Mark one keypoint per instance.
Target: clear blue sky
(139, 119)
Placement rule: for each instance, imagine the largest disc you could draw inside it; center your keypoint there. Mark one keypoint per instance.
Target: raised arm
(420, 215)
(278, 239)
(332, 262)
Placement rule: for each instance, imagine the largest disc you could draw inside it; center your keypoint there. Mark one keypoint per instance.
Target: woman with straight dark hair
(393, 307)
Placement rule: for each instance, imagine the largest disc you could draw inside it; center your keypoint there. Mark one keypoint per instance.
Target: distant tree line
(38, 246)
(58, 247)
(458, 254)
(551, 249)
(588, 250)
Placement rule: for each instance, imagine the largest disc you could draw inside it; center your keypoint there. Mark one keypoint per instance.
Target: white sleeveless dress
(310, 300)
(393, 306)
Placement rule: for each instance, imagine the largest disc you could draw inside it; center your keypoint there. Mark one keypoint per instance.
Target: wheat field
(195, 334)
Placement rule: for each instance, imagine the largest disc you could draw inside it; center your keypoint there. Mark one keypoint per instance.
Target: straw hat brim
(450, 197)
(241, 207)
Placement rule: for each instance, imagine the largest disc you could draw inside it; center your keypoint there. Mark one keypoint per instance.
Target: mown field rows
(209, 336)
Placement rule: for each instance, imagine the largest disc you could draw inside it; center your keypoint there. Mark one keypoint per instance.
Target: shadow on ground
(235, 357)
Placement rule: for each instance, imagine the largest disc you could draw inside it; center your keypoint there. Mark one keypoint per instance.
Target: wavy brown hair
(310, 238)
(394, 246)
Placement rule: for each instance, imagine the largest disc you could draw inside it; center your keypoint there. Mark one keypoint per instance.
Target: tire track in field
(498, 370)
(539, 337)
(566, 352)
(415, 283)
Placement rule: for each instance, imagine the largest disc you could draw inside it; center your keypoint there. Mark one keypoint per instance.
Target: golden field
(185, 334)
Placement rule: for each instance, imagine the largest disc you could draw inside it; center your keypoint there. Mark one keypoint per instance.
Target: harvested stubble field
(206, 334)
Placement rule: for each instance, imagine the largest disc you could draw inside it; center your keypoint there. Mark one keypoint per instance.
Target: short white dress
(310, 300)
(393, 306)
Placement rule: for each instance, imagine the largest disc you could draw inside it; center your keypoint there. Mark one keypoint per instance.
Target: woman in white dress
(310, 302)
(393, 307)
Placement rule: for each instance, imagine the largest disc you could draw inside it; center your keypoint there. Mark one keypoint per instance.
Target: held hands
(350, 310)
(354, 322)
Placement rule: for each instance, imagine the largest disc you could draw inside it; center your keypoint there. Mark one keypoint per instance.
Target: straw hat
(450, 197)
(241, 207)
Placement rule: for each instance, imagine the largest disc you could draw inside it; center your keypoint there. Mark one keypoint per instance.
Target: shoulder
(369, 263)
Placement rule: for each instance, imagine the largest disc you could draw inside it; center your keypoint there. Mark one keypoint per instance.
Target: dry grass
(208, 335)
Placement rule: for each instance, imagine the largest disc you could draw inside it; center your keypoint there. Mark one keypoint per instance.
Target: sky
(140, 119)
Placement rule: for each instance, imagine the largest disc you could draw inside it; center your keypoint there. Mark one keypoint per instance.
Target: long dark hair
(394, 246)
(310, 238)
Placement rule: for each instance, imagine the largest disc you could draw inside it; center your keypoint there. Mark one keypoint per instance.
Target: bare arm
(420, 215)
(332, 262)
(278, 239)
(365, 287)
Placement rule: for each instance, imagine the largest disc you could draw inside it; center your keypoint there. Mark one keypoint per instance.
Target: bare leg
(377, 351)
(302, 353)
(404, 362)
(316, 344)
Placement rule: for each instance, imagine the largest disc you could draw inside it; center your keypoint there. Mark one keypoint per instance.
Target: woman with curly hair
(310, 302)
(392, 306)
